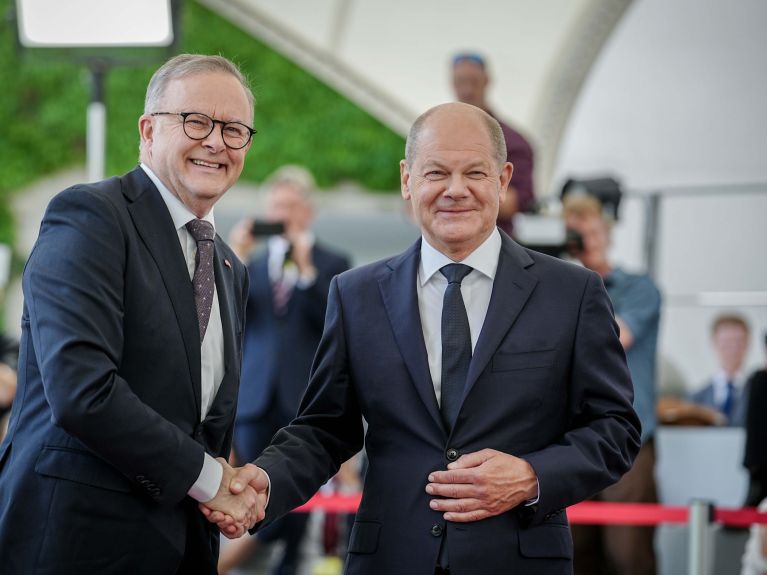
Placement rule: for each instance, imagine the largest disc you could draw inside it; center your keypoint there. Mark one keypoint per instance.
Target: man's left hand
(482, 484)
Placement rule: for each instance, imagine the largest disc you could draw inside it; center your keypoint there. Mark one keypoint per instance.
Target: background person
(725, 390)
(636, 301)
(131, 352)
(470, 82)
(9, 356)
(521, 391)
(288, 294)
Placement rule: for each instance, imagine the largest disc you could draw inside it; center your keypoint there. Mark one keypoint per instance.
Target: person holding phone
(289, 282)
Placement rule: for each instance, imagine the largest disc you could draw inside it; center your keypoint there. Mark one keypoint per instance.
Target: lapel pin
(227, 263)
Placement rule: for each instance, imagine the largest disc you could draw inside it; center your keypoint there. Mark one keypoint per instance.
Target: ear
(146, 129)
(404, 179)
(505, 178)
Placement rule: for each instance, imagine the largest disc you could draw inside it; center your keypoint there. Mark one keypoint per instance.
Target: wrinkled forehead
(454, 132)
(217, 94)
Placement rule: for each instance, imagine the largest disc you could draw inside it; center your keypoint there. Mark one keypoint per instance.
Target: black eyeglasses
(197, 126)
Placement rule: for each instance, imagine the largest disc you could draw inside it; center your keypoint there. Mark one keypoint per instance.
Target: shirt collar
(484, 259)
(720, 378)
(179, 213)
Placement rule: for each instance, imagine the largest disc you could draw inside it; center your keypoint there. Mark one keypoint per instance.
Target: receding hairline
(189, 65)
(493, 129)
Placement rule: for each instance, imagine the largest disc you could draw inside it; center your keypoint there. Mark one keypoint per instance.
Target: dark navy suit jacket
(547, 382)
(105, 437)
(279, 349)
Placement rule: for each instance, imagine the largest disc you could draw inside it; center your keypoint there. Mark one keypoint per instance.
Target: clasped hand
(482, 484)
(240, 501)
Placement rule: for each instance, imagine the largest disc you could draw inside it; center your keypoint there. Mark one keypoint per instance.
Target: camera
(261, 228)
(547, 234)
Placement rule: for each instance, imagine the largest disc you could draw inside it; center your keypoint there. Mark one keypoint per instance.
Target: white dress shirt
(476, 289)
(212, 350)
(279, 270)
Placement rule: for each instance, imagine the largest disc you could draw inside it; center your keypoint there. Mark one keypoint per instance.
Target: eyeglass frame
(185, 115)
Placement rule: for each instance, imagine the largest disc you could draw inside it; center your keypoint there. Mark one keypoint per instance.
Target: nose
(214, 142)
(456, 187)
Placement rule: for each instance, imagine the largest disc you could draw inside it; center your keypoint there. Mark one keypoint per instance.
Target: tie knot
(201, 230)
(455, 272)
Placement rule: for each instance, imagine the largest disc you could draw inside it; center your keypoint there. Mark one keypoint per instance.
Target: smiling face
(197, 172)
(454, 182)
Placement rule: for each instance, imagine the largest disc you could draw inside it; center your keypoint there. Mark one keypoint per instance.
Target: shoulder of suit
(105, 194)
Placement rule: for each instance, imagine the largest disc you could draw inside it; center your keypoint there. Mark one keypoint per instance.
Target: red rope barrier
(586, 512)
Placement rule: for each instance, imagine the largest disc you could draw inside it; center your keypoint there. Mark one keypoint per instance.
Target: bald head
(449, 114)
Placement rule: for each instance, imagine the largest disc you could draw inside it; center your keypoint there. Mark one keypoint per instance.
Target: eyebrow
(473, 165)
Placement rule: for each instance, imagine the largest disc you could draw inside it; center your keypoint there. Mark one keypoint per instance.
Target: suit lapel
(398, 290)
(512, 287)
(223, 404)
(155, 226)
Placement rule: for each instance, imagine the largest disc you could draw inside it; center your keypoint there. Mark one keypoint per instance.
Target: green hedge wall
(43, 103)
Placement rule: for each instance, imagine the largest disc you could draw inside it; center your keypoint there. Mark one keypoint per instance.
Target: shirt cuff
(530, 502)
(268, 489)
(207, 484)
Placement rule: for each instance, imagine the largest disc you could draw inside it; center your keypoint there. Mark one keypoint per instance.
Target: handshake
(240, 501)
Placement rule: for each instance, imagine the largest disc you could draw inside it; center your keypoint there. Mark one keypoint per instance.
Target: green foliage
(44, 98)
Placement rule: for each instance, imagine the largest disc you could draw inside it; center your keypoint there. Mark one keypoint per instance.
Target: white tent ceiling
(393, 57)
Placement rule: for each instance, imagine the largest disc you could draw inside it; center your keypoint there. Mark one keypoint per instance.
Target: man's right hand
(241, 240)
(240, 502)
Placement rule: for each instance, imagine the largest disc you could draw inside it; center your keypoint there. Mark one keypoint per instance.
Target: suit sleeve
(603, 434)
(328, 429)
(313, 299)
(73, 285)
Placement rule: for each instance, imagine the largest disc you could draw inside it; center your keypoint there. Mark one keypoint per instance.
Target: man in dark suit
(130, 351)
(726, 391)
(288, 294)
(469, 352)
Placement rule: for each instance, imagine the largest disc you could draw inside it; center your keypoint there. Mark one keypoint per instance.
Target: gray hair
(297, 177)
(494, 130)
(185, 65)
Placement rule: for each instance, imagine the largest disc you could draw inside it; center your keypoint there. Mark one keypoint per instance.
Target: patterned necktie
(281, 292)
(203, 280)
(456, 343)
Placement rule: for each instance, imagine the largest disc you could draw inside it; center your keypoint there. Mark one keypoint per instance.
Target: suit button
(451, 454)
(436, 530)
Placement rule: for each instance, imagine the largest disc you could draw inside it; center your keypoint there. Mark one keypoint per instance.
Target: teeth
(206, 164)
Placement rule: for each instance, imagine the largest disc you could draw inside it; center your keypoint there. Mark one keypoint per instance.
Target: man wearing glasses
(130, 351)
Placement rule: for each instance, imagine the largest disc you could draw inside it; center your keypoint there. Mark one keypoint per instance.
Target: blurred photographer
(636, 303)
(289, 282)
(9, 354)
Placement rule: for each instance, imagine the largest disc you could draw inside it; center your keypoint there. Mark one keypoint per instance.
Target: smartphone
(262, 228)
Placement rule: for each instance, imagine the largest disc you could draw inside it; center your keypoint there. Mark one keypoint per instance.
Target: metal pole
(96, 125)
(651, 233)
(699, 520)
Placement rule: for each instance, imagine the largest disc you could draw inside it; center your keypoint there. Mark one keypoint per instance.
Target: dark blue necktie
(728, 400)
(456, 343)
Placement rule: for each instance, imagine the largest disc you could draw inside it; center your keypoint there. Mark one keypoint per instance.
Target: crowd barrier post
(700, 517)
